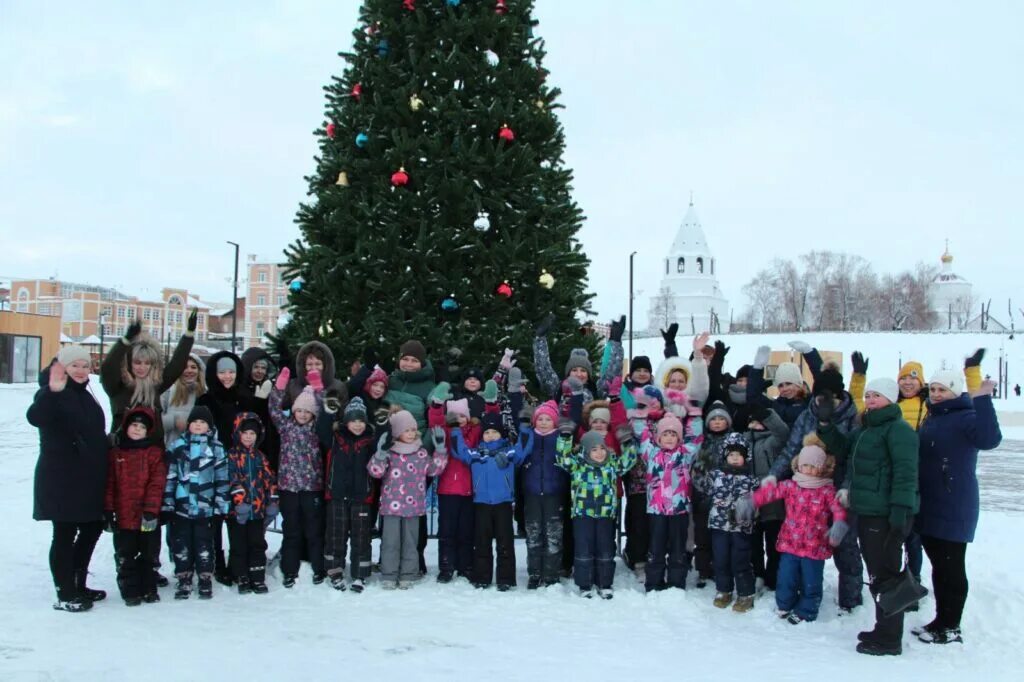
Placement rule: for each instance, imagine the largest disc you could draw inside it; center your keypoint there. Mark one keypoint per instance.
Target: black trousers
(348, 524)
(732, 562)
(668, 537)
(638, 533)
(455, 534)
(136, 553)
(568, 551)
(302, 519)
(949, 579)
(595, 552)
(192, 545)
(764, 556)
(544, 527)
(70, 552)
(493, 524)
(248, 550)
(884, 559)
(702, 553)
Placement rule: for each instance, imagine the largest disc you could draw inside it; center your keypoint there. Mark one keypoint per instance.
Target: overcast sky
(135, 140)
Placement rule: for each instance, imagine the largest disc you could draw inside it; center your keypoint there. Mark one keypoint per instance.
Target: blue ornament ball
(450, 305)
(296, 284)
(383, 48)
(362, 139)
(454, 3)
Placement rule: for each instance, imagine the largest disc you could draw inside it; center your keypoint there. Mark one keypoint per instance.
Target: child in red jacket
(136, 476)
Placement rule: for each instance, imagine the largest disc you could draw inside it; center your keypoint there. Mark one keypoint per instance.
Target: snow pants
(595, 552)
(493, 524)
(544, 519)
(248, 550)
(135, 553)
(192, 546)
(399, 554)
(349, 524)
(302, 519)
(799, 585)
(732, 562)
(455, 534)
(884, 559)
(637, 530)
(668, 537)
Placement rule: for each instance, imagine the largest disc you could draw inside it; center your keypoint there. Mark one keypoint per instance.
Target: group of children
(690, 475)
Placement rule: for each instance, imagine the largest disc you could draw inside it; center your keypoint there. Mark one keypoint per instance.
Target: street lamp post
(234, 300)
(103, 322)
(631, 306)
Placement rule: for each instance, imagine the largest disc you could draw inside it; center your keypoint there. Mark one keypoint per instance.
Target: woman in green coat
(881, 487)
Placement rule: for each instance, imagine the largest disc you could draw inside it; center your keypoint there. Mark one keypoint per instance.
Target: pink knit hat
(670, 422)
(306, 401)
(401, 422)
(813, 455)
(457, 407)
(550, 408)
(377, 375)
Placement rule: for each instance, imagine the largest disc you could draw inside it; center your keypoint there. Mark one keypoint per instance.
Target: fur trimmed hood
(593, 405)
(669, 365)
(300, 362)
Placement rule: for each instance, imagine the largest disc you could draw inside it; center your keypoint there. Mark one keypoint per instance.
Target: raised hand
(193, 320)
(618, 327)
(801, 347)
(860, 363)
(761, 357)
(670, 334)
(437, 436)
(58, 377)
(699, 341)
(987, 387)
(282, 379)
(566, 426)
(314, 380)
(508, 359)
(975, 359)
(721, 350)
(516, 382)
(545, 325)
(134, 329)
(490, 391)
(441, 393)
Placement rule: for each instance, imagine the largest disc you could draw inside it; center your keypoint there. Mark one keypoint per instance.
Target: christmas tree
(441, 205)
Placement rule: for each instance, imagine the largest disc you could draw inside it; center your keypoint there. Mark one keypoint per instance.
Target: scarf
(401, 448)
(810, 482)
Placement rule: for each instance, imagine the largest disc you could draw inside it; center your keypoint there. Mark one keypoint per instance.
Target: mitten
(566, 426)
(837, 532)
(282, 379)
(624, 434)
(618, 327)
(744, 509)
(272, 510)
(762, 356)
(134, 329)
(721, 350)
(109, 522)
(501, 459)
(262, 391)
(243, 512)
(437, 436)
(769, 480)
(614, 387)
(843, 498)
(825, 406)
(383, 443)
(628, 401)
(526, 415)
(491, 391)
(332, 401)
(975, 359)
(507, 359)
(801, 347)
(441, 393)
(515, 380)
(574, 385)
(193, 320)
(545, 325)
(670, 334)
(149, 522)
(860, 363)
(314, 380)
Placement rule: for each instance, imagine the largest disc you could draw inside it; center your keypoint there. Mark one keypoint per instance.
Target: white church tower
(689, 293)
(950, 296)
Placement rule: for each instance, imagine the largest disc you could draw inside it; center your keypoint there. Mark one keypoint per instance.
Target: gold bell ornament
(342, 179)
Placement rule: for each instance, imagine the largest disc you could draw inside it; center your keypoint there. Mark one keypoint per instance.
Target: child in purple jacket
(404, 466)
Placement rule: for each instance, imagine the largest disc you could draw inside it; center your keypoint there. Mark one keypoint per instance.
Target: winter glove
(901, 522)
(282, 379)
(314, 380)
(769, 480)
(826, 407)
(744, 509)
(566, 426)
(618, 327)
(383, 444)
(109, 522)
(545, 325)
(491, 391)
(670, 334)
(193, 321)
(762, 356)
(134, 329)
(149, 522)
(624, 434)
(843, 498)
(721, 350)
(761, 413)
(975, 360)
(526, 415)
(370, 358)
(332, 401)
(271, 513)
(507, 360)
(801, 347)
(437, 436)
(837, 532)
(860, 363)
(441, 393)
(451, 419)
(243, 512)
(262, 391)
(515, 380)
(574, 385)
(501, 459)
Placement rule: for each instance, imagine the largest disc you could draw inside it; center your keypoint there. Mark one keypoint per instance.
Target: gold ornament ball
(415, 103)
(546, 280)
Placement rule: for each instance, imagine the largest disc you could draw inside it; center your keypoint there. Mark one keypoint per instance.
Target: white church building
(689, 293)
(951, 297)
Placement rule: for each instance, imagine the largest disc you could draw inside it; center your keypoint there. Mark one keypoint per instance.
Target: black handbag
(900, 593)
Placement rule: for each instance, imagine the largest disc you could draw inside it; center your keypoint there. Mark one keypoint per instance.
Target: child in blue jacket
(494, 464)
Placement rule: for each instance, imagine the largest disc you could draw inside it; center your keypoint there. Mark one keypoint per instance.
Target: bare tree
(763, 292)
(663, 310)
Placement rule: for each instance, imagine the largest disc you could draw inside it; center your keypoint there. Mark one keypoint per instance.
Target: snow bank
(440, 632)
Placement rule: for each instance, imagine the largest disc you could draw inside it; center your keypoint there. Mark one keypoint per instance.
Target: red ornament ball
(504, 290)
(331, 130)
(400, 178)
(357, 91)
(506, 133)
(501, 8)
(409, 5)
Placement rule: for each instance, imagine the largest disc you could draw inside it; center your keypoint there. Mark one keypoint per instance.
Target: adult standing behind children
(71, 473)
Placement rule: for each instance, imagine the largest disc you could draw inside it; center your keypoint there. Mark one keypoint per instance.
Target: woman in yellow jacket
(912, 402)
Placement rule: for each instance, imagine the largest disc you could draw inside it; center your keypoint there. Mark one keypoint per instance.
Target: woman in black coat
(71, 473)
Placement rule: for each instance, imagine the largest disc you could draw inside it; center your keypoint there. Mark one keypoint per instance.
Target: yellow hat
(912, 369)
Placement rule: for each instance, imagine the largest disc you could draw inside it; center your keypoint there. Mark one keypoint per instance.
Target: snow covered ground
(440, 632)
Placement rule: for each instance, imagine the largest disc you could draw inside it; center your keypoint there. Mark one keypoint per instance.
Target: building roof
(690, 237)
(946, 273)
(194, 302)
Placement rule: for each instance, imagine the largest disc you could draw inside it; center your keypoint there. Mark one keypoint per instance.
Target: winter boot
(445, 577)
(224, 577)
(481, 586)
(921, 629)
(244, 586)
(533, 583)
(260, 587)
(389, 585)
(151, 597)
(504, 587)
(338, 582)
(84, 591)
(205, 587)
(405, 584)
(73, 605)
(877, 648)
(702, 582)
(722, 599)
(133, 601)
(605, 593)
(289, 580)
(743, 604)
(793, 618)
(943, 636)
(587, 592)
(160, 579)
(184, 587)
(319, 577)
(358, 585)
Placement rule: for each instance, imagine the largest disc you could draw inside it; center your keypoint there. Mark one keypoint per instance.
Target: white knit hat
(951, 379)
(788, 373)
(69, 354)
(886, 387)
